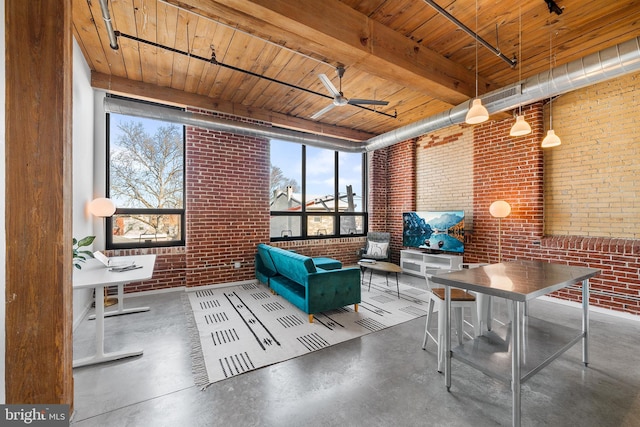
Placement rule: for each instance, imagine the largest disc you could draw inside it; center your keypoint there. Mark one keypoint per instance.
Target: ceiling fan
(338, 97)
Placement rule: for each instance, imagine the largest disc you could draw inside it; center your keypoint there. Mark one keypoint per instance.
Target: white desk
(531, 343)
(95, 275)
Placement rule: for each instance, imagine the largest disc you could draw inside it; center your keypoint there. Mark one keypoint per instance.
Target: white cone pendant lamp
(477, 113)
(551, 140)
(520, 127)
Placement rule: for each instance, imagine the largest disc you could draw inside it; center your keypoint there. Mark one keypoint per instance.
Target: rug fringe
(198, 367)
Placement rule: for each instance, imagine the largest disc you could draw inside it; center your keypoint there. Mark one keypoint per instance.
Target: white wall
(3, 236)
(83, 153)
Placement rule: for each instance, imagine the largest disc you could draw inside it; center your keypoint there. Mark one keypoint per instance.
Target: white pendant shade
(520, 127)
(477, 113)
(551, 140)
(102, 207)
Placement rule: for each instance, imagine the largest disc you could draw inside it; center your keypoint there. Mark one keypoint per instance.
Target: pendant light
(520, 127)
(477, 113)
(551, 140)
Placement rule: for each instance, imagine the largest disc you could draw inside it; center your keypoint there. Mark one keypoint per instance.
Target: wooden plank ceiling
(269, 53)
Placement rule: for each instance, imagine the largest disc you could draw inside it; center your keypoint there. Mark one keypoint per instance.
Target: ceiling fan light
(551, 140)
(520, 127)
(477, 113)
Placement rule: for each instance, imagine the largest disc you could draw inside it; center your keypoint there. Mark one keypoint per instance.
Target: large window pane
(320, 225)
(350, 187)
(285, 226)
(316, 192)
(320, 179)
(286, 177)
(146, 163)
(351, 224)
(146, 228)
(146, 182)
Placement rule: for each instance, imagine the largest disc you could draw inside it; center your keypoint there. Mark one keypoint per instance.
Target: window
(316, 192)
(145, 175)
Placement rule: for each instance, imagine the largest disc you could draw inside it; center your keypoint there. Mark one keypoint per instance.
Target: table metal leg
(516, 339)
(447, 337)
(100, 356)
(585, 322)
(121, 310)
(370, 276)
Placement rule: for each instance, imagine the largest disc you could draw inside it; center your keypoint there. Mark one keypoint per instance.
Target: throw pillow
(377, 250)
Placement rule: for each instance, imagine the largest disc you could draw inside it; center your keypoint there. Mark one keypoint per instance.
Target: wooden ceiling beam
(151, 92)
(330, 29)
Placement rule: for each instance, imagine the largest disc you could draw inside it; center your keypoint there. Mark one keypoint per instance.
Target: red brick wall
(227, 205)
(507, 168)
(402, 190)
(512, 169)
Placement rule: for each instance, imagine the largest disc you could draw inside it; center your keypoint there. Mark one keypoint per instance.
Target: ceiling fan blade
(367, 101)
(327, 83)
(321, 112)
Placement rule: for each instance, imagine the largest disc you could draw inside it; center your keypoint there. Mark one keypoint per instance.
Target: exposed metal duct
(132, 108)
(606, 64)
(113, 41)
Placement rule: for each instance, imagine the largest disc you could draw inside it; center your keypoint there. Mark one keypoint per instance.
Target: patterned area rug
(240, 328)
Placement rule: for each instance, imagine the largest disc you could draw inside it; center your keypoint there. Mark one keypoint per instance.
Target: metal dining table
(518, 350)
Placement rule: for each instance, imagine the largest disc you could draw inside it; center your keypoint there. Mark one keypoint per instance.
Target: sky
(320, 166)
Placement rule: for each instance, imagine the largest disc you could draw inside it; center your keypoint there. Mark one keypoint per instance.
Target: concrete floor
(381, 379)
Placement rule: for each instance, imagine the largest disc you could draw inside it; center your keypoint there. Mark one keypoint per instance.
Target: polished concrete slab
(381, 379)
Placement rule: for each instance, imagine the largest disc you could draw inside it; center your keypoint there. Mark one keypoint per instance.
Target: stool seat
(456, 294)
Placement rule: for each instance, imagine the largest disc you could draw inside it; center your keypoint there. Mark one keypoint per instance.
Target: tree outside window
(146, 181)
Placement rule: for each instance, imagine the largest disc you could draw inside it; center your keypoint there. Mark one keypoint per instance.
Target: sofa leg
(355, 307)
(311, 318)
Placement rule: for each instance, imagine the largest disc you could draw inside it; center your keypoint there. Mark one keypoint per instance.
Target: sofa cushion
(327, 263)
(265, 265)
(292, 265)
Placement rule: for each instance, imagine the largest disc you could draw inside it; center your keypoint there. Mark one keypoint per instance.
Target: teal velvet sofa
(313, 285)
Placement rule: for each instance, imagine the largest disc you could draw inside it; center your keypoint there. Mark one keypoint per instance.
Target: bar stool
(460, 300)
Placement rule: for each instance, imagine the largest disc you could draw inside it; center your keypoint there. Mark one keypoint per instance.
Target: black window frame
(335, 214)
(147, 242)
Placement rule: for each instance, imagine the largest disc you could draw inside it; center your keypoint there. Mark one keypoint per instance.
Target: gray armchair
(378, 246)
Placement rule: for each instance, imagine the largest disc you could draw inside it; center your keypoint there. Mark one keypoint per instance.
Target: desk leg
(447, 336)
(516, 345)
(121, 310)
(100, 356)
(585, 322)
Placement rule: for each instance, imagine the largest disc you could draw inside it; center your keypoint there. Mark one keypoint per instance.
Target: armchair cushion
(377, 250)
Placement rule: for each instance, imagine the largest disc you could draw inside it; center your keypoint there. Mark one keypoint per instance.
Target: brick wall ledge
(595, 244)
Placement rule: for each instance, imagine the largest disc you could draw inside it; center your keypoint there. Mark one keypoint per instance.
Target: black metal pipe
(214, 61)
(512, 62)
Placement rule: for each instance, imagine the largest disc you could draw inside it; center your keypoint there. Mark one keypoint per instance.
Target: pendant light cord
(520, 50)
(550, 68)
(476, 48)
